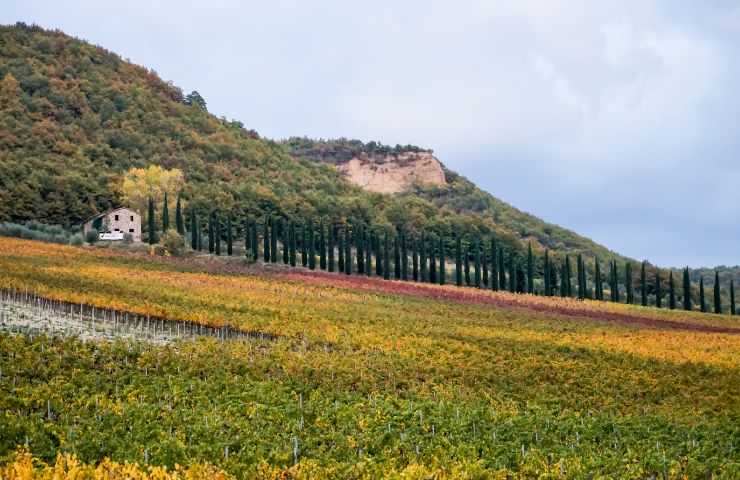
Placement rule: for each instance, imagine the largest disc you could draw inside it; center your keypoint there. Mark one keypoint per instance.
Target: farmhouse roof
(108, 212)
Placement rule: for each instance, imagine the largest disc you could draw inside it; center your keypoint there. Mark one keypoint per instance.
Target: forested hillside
(74, 117)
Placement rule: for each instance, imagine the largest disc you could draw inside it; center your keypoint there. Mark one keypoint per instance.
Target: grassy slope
(467, 384)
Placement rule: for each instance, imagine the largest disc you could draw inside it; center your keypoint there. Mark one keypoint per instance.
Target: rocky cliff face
(393, 173)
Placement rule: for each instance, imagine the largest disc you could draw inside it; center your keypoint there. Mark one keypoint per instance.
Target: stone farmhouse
(114, 224)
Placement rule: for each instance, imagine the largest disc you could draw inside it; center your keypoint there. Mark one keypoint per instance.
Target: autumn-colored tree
(140, 184)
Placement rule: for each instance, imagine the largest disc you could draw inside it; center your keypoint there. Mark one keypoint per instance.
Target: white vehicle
(111, 236)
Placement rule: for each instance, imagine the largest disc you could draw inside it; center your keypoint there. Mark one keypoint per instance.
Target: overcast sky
(617, 119)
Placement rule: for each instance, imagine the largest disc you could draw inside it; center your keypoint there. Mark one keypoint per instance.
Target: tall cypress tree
(629, 288)
(553, 278)
(285, 240)
(273, 240)
(432, 262)
(247, 239)
(293, 239)
(404, 258)
(217, 232)
(368, 254)
(546, 268)
(568, 277)
(643, 286)
(423, 273)
(304, 245)
(520, 280)
(484, 265)
(466, 263)
(396, 257)
(348, 251)
(717, 298)
(165, 215)
(616, 282)
(477, 264)
(687, 290)
(322, 246)
(193, 230)
(179, 221)
(359, 244)
(378, 255)
(732, 298)
(266, 240)
(658, 290)
(501, 270)
(229, 237)
(332, 243)
(563, 281)
(311, 246)
(494, 266)
(458, 261)
(415, 260)
(671, 291)
(579, 269)
(702, 299)
(386, 258)
(598, 280)
(530, 270)
(255, 240)
(442, 266)
(211, 235)
(512, 272)
(152, 226)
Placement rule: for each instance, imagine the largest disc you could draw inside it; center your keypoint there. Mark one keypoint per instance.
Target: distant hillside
(74, 117)
(455, 195)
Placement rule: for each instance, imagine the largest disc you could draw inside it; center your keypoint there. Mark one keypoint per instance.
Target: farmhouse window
(132, 218)
(116, 217)
(131, 230)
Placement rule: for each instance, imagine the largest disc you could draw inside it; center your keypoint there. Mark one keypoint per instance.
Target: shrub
(173, 243)
(77, 240)
(91, 236)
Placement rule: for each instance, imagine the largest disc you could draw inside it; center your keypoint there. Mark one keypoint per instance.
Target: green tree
(229, 238)
(179, 221)
(546, 268)
(458, 261)
(687, 290)
(152, 226)
(311, 246)
(466, 264)
(304, 245)
(598, 280)
(629, 289)
(501, 270)
(266, 240)
(415, 260)
(477, 263)
(484, 265)
(512, 272)
(386, 258)
(404, 258)
(671, 291)
(717, 298)
(331, 246)
(348, 251)
(247, 239)
(568, 277)
(358, 235)
(432, 262)
(423, 272)
(732, 298)
(165, 214)
(643, 285)
(193, 229)
(322, 246)
(285, 241)
(579, 269)
(293, 237)
(217, 232)
(368, 254)
(530, 269)
(442, 266)
(658, 290)
(494, 266)
(396, 257)
(379, 258)
(702, 298)
(273, 240)
(255, 241)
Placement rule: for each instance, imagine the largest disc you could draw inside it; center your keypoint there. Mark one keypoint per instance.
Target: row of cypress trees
(478, 263)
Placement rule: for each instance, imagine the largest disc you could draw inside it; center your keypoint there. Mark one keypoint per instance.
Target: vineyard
(361, 378)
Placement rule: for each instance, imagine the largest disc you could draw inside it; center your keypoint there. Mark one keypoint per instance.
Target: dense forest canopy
(74, 118)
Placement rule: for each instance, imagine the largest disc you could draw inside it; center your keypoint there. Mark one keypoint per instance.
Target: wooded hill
(74, 117)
